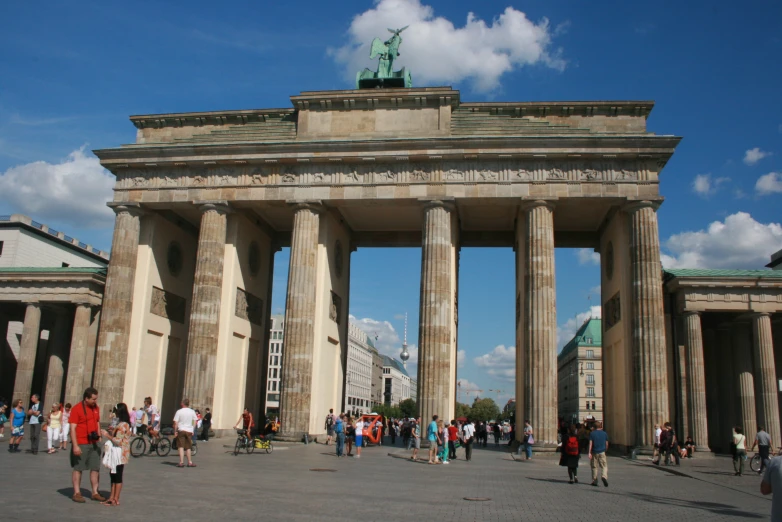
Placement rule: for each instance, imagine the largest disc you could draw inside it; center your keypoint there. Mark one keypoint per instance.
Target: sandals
(191, 465)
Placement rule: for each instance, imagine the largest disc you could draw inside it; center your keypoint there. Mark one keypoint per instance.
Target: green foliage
(462, 410)
(484, 410)
(409, 408)
(388, 411)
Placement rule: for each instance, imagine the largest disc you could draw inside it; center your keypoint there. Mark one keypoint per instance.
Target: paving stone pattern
(280, 486)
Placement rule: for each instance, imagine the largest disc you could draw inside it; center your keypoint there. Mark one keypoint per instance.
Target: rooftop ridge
(61, 237)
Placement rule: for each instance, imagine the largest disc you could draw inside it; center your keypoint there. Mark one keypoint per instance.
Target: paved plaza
(378, 486)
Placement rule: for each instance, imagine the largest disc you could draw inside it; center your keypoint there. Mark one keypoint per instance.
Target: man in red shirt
(85, 451)
(453, 436)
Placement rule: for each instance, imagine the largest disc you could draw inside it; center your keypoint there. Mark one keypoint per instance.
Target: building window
(590, 366)
(65, 265)
(587, 404)
(590, 379)
(1, 248)
(590, 392)
(593, 405)
(590, 354)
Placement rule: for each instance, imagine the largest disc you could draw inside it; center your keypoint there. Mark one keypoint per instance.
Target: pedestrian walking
(671, 445)
(656, 452)
(415, 435)
(184, 428)
(497, 432)
(206, 425)
(85, 452)
(392, 431)
(36, 422)
(442, 431)
(453, 433)
(329, 425)
(468, 432)
(3, 419)
(529, 439)
(339, 434)
(571, 454)
(119, 438)
(739, 450)
(54, 428)
(350, 434)
(17, 426)
(359, 428)
(772, 483)
(763, 442)
(598, 445)
(433, 438)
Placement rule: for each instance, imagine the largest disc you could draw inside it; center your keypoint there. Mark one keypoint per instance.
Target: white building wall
(358, 392)
(22, 248)
(275, 363)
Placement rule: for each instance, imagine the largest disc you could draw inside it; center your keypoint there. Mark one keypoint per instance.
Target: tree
(462, 410)
(409, 408)
(388, 411)
(484, 410)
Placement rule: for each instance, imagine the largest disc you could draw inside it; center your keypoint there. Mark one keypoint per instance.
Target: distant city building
(580, 373)
(377, 378)
(358, 383)
(414, 389)
(275, 366)
(396, 382)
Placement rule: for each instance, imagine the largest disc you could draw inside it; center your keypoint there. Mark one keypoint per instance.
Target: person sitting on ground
(689, 447)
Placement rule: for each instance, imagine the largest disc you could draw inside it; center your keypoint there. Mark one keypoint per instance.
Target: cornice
(376, 98)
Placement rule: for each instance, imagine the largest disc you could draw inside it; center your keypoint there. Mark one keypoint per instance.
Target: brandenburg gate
(203, 200)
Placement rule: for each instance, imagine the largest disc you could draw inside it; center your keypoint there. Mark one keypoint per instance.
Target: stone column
(203, 331)
(58, 341)
(648, 323)
(745, 382)
(696, 390)
(727, 379)
(765, 376)
(299, 336)
(436, 315)
(112, 351)
(540, 323)
(28, 350)
(77, 359)
(713, 384)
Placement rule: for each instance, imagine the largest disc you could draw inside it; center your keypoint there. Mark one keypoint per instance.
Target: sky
(71, 74)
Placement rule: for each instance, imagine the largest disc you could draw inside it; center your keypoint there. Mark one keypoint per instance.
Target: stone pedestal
(204, 326)
(55, 368)
(648, 324)
(745, 381)
(299, 337)
(436, 344)
(766, 393)
(28, 350)
(540, 324)
(112, 352)
(696, 395)
(74, 382)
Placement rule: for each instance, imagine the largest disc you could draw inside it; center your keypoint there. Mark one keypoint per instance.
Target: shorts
(18, 431)
(417, 443)
(184, 440)
(359, 440)
(330, 432)
(89, 460)
(116, 478)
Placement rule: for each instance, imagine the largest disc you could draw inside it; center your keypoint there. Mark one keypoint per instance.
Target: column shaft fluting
(436, 312)
(726, 389)
(540, 323)
(203, 331)
(696, 391)
(28, 350)
(299, 336)
(55, 368)
(766, 393)
(74, 388)
(648, 324)
(112, 352)
(745, 381)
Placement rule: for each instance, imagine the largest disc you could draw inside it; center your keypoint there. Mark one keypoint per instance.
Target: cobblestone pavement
(378, 486)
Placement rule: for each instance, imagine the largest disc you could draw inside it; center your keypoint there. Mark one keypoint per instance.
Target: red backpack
(571, 446)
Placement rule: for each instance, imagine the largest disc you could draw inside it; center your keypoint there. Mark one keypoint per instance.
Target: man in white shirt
(469, 433)
(184, 427)
(656, 453)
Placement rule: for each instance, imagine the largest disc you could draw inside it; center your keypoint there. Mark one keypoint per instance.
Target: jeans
(738, 461)
(764, 451)
(451, 449)
(528, 450)
(35, 435)
(468, 449)
(340, 444)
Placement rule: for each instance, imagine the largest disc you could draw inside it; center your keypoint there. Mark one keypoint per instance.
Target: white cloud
(499, 363)
(738, 242)
(705, 186)
(752, 156)
(587, 256)
(467, 391)
(461, 355)
(437, 52)
(387, 340)
(74, 191)
(771, 183)
(568, 329)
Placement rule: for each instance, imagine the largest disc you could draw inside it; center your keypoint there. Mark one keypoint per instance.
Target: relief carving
(556, 174)
(288, 178)
(386, 175)
(167, 305)
(612, 311)
(335, 309)
(590, 174)
(625, 174)
(419, 175)
(351, 176)
(454, 175)
(487, 174)
(249, 307)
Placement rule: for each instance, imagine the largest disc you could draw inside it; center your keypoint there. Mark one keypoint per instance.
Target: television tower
(405, 355)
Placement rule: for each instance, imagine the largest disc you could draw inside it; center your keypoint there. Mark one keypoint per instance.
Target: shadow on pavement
(712, 507)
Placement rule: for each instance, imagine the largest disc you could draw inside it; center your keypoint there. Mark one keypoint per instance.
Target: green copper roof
(54, 269)
(707, 272)
(590, 334)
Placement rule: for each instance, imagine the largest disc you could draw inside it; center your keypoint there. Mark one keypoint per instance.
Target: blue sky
(71, 73)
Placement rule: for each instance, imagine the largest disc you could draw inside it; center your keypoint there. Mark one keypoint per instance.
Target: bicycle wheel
(754, 463)
(194, 449)
(138, 447)
(238, 446)
(269, 448)
(250, 446)
(163, 447)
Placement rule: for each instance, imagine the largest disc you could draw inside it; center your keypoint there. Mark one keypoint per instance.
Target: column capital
(756, 315)
(126, 207)
(219, 206)
(314, 205)
(448, 204)
(635, 206)
(535, 202)
(687, 313)
(32, 302)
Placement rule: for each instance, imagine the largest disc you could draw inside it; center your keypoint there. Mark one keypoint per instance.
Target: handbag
(531, 440)
(45, 427)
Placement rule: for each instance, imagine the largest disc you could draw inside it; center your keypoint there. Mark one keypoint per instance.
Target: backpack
(329, 420)
(571, 446)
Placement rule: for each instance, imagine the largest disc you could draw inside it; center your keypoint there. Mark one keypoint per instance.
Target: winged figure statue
(385, 76)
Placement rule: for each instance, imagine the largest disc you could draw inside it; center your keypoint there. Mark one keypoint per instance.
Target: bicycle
(754, 462)
(138, 445)
(193, 450)
(243, 442)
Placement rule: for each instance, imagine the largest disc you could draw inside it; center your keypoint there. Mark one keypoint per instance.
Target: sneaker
(605, 482)
(594, 483)
(575, 479)
(445, 462)
(78, 498)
